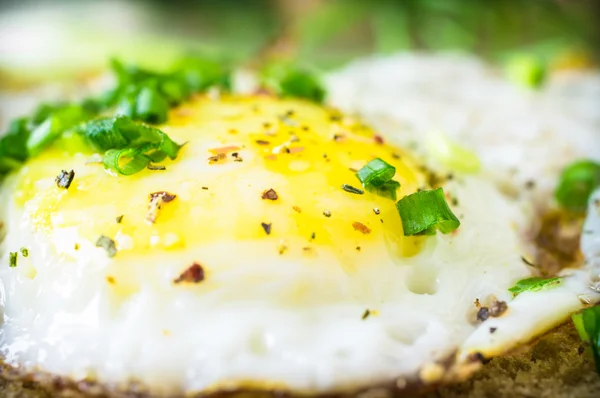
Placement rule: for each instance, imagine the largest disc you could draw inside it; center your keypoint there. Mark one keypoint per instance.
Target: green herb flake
(376, 173)
(587, 324)
(376, 177)
(424, 212)
(577, 182)
(107, 244)
(366, 314)
(120, 219)
(24, 252)
(12, 259)
(138, 95)
(527, 70)
(388, 190)
(291, 81)
(151, 107)
(130, 146)
(302, 84)
(534, 284)
(13, 149)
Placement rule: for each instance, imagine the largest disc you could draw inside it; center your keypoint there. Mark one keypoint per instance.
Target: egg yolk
(252, 168)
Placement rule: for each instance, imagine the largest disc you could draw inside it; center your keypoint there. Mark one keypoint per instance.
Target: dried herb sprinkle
(64, 179)
(366, 314)
(351, 189)
(107, 244)
(270, 194)
(12, 259)
(266, 227)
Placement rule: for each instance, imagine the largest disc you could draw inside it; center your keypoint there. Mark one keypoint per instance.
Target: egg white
(264, 320)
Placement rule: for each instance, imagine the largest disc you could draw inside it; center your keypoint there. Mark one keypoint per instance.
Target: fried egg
(245, 265)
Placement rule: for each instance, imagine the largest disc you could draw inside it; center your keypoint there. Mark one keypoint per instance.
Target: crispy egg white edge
(306, 350)
(525, 153)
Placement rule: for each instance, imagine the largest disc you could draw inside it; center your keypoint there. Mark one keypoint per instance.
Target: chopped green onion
(24, 252)
(533, 284)
(107, 244)
(106, 133)
(129, 146)
(174, 90)
(139, 95)
(93, 106)
(302, 84)
(290, 81)
(14, 143)
(125, 161)
(587, 324)
(121, 132)
(71, 142)
(376, 177)
(130, 74)
(127, 103)
(44, 111)
(577, 182)
(43, 135)
(376, 173)
(7, 164)
(51, 128)
(202, 73)
(151, 107)
(387, 190)
(12, 259)
(580, 326)
(425, 211)
(13, 149)
(527, 70)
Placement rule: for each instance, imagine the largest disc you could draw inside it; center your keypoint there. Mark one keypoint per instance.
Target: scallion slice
(587, 324)
(43, 135)
(121, 132)
(202, 73)
(376, 173)
(150, 106)
(174, 90)
(423, 212)
(130, 146)
(13, 146)
(125, 161)
(533, 284)
(51, 128)
(7, 164)
(302, 84)
(290, 81)
(577, 182)
(139, 95)
(388, 190)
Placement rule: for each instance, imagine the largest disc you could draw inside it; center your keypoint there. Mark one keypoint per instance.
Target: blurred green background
(54, 38)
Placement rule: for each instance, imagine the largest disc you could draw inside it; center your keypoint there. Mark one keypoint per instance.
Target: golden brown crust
(557, 242)
(557, 366)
